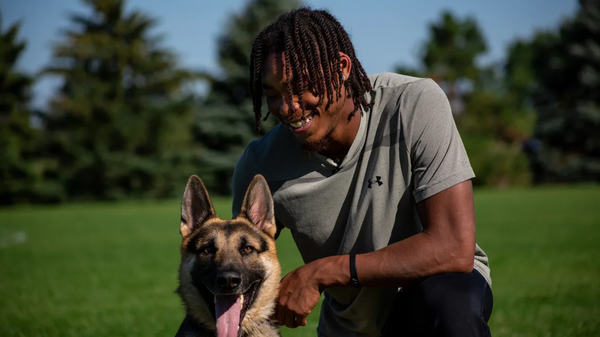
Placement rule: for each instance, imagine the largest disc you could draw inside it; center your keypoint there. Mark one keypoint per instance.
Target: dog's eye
(207, 249)
(248, 249)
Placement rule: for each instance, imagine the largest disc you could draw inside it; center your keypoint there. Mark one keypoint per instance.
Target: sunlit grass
(111, 269)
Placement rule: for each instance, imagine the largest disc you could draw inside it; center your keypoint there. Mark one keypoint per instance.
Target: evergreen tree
(566, 87)
(20, 170)
(449, 56)
(557, 73)
(451, 53)
(121, 124)
(225, 124)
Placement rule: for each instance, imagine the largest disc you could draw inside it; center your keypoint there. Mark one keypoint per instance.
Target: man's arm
(446, 245)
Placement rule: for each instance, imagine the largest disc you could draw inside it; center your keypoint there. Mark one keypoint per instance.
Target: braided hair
(310, 41)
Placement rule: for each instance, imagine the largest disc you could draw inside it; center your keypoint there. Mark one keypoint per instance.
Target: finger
(280, 312)
(290, 320)
(274, 314)
(301, 320)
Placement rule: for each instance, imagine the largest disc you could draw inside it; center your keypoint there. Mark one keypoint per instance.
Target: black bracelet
(353, 276)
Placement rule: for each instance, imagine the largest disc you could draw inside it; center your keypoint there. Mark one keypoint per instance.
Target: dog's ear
(258, 206)
(196, 207)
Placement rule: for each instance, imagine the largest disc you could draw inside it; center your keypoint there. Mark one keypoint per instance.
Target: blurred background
(107, 107)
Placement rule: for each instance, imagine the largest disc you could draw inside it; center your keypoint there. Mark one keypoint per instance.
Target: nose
(228, 280)
(287, 109)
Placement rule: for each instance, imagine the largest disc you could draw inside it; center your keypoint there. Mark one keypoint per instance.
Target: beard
(315, 147)
(318, 146)
(322, 144)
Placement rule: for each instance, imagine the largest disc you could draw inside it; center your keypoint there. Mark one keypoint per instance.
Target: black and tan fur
(211, 247)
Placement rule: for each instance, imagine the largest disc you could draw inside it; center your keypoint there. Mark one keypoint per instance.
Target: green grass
(110, 269)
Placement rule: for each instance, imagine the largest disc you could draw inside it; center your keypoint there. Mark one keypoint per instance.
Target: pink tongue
(227, 309)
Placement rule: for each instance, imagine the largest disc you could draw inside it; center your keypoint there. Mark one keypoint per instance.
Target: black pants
(443, 305)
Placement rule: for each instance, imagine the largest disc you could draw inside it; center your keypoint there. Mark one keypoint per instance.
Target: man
(372, 179)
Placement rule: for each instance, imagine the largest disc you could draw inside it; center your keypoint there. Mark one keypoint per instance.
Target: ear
(258, 206)
(196, 207)
(345, 65)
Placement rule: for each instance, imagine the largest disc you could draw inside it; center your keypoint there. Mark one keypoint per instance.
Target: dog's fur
(212, 247)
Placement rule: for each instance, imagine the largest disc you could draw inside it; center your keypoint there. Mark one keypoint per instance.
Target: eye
(207, 250)
(248, 249)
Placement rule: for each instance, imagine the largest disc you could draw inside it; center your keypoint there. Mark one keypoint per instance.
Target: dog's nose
(228, 280)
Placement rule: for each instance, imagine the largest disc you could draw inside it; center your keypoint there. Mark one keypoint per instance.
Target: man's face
(317, 128)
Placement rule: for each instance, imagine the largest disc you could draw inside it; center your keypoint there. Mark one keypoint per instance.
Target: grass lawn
(111, 269)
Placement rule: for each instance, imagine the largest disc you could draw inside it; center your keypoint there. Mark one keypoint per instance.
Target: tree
(20, 170)
(120, 124)
(565, 94)
(225, 123)
(557, 74)
(449, 56)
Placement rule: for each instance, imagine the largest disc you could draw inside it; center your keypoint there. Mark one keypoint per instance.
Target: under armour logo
(377, 180)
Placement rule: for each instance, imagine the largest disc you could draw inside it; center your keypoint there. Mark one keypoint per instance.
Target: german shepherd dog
(229, 273)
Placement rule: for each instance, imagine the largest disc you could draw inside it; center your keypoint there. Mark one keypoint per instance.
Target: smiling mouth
(300, 123)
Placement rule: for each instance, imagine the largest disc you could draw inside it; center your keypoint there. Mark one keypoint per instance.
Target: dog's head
(229, 269)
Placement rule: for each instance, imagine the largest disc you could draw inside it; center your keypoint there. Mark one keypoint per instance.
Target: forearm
(396, 265)
(412, 259)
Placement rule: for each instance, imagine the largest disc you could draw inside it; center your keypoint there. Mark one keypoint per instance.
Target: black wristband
(353, 275)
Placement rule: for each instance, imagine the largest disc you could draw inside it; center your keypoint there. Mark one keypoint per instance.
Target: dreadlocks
(310, 41)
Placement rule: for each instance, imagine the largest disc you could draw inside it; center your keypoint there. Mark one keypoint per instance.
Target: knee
(451, 301)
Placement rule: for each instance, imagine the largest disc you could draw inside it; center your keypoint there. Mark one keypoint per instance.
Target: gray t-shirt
(407, 149)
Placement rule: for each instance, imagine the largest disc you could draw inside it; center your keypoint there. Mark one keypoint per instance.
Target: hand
(299, 292)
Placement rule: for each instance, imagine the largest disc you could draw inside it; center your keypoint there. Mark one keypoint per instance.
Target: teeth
(301, 122)
(296, 125)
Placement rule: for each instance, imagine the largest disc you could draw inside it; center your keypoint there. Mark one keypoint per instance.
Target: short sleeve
(438, 157)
